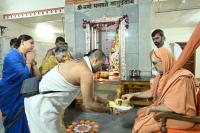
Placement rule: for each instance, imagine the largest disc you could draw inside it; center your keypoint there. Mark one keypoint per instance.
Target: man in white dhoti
(44, 111)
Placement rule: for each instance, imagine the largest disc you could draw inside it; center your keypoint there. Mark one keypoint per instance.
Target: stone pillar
(69, 24)
(145, 20)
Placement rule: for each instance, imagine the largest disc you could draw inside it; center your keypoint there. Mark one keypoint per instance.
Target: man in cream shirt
(158, 38)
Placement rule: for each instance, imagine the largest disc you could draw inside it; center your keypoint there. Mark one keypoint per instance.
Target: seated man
(53, 60)
(69, 54)
(158, 38)
(176, 95)
(60, 41)
(44, 111)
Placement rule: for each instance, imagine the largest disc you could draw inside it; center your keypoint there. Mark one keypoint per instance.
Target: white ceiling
(175, 13)
(166, 13)
(55, 21)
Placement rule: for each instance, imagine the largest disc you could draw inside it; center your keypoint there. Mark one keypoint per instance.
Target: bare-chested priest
(44, 111)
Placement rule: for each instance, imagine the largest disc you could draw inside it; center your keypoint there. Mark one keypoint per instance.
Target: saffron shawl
(180, 84)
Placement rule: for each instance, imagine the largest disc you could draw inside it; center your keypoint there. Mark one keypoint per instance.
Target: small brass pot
(134, 73)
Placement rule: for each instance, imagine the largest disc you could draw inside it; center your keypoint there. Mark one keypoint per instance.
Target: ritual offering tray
(120, 105)
(82, 126)
(114, 73)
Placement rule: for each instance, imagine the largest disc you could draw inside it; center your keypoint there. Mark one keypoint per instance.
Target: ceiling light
(183, 1)
(45, 31)
(159, 0)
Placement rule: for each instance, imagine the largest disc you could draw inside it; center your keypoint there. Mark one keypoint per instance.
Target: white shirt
(174, 48)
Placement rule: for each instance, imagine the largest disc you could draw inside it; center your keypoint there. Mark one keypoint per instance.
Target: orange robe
(178, 95)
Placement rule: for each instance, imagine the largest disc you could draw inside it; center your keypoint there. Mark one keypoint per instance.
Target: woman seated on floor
(177, 94)
(61, 55)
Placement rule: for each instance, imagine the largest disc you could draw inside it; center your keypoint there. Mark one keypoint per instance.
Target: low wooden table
(131, 85)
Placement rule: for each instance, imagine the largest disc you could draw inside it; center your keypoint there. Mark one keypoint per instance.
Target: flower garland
(106, 24)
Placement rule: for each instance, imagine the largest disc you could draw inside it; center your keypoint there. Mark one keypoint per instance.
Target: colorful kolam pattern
(82, 126)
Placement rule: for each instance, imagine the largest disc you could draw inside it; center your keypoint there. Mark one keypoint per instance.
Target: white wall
(41, 49)
(12, 6)
(14, 30)
(178, 34)
(182, 35)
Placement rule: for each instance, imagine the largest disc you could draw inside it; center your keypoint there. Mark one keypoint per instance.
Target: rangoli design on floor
(83, 126)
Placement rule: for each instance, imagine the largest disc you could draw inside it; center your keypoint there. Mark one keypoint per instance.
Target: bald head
(97, 59)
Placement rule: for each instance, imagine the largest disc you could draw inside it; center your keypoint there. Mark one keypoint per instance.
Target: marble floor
(108, 123)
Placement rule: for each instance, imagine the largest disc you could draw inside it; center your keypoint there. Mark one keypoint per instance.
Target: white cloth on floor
(45, 111)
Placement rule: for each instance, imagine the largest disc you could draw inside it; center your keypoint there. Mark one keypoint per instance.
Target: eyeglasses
(155, 63)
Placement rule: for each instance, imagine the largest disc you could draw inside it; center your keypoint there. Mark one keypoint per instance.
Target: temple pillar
(69, 27)
(144, 25)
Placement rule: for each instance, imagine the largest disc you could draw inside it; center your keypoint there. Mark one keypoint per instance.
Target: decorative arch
(91, 31)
